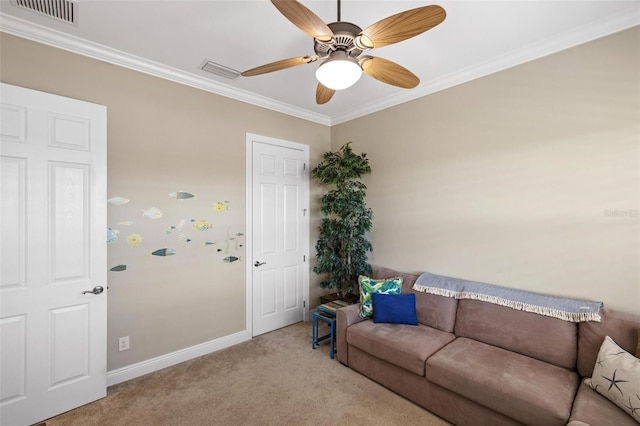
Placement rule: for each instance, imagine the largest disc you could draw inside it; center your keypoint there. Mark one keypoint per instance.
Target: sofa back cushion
(435, 311)
(545, 338)
(622, 327)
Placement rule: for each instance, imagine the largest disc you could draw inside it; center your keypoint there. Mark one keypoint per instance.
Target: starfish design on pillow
(615, 382)
(617, 353)
(630, 407)
(621, 370)
(633, 409)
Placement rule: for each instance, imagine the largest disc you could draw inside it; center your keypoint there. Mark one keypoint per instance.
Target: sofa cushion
(369, 286)
(523, 388)
(403, 345)
(435, 311)
(541, 337)
(622, 327)
(394, 308)
(616, 376)
(592, 408)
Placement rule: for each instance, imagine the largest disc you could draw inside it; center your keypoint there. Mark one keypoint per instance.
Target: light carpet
(273, 379)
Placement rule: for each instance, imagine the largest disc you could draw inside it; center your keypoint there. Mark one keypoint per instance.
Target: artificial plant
(342, 245)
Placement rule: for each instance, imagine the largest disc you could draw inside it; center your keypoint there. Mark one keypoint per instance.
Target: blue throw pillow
(395, 308)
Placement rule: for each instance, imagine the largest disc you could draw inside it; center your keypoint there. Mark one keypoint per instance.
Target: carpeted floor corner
(273, 379)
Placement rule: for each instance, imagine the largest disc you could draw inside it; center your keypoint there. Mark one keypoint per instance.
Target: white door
(53, 233)
(278, 267)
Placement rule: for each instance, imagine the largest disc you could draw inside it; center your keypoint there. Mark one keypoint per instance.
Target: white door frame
(250, 140)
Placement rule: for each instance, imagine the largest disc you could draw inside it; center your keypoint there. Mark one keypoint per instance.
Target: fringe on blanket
(521, 306)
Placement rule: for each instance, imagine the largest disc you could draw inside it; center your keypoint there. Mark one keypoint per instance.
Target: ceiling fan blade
(401, 26)
(279, 65)
(304, 19)
(388, 72)
(323, 94)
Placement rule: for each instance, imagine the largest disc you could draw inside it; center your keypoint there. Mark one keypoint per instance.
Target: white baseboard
(158, 363)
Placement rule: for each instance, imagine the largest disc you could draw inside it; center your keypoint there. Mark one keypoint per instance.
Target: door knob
(96, 290)
(259, 263)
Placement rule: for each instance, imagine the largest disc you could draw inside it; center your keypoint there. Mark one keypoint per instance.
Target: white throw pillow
(616, 376)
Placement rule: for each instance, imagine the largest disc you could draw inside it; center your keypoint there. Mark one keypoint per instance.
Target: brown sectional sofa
(477, 363)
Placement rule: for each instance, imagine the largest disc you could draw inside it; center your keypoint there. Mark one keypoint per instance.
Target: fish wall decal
(119, 268)
(112, 235)
(164, 252)
(117, 201)
(152, 213)
(220, 207)
(181, 195)
(134, 240)
(201, 225)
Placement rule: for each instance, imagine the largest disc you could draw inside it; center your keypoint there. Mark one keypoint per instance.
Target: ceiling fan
(341, 44)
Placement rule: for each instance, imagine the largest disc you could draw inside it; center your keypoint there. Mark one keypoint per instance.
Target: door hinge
(304, 166)
(304, 303)
(304, 257)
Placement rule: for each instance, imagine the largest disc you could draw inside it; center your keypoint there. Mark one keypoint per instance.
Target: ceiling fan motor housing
(344, 36)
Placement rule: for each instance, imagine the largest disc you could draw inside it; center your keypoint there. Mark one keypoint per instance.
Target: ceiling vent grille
(62, 10)
(219, 70)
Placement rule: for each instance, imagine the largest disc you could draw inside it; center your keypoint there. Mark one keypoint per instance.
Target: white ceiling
(171, 39)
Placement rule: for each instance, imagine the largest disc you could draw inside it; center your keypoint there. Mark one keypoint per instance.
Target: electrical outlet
(123, 343)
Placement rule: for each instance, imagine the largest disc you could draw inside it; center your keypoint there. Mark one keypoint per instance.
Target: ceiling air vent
(219, 70)
(62, 10)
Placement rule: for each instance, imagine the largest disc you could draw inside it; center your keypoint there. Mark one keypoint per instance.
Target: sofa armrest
(345, 317)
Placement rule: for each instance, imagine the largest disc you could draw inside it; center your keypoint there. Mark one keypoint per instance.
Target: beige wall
(165, 137)
(527, 178)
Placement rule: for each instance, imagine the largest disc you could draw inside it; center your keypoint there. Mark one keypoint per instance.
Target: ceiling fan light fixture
(339, 72)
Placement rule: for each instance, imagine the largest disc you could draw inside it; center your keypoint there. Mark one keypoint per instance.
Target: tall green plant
(342, 246)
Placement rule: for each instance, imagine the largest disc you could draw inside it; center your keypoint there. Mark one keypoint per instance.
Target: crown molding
(621, 21)
(28, 30)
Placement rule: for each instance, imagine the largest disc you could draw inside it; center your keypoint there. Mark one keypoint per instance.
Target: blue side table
(326, 312)
(331, 320)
